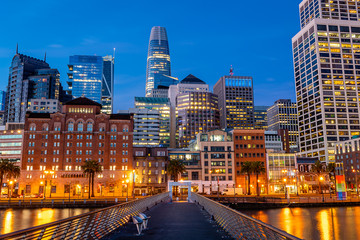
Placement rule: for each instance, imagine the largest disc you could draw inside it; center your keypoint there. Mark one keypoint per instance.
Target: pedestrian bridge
(200, 218)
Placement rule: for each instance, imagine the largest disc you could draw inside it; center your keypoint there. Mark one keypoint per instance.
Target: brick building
(150, 169)
(249, 145)
(62, 142)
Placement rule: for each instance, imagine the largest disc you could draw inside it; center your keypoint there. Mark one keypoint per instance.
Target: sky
(205, 39)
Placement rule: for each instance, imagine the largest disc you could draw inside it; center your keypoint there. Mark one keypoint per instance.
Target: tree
(175, 168)
(330, 168)
(257, 168)
(246, 168)
(5, 168)
(318, 169)
(90, 168)
(13, 172)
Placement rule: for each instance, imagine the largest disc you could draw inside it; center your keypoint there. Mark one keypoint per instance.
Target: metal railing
(93, 225)
(238, 225)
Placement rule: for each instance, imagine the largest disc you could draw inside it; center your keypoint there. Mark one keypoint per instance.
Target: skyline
(205, 44)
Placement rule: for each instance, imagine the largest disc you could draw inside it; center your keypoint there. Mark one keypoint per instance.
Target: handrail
(92, 225)
(239, 225)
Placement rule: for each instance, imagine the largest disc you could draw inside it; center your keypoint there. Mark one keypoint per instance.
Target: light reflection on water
(342, 223)
(17, 219)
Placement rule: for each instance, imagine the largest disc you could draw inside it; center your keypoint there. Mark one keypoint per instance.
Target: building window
(71, 126)
(89, 127)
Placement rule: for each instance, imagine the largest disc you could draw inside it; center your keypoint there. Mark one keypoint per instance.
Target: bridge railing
(92, 225)
(238, 225)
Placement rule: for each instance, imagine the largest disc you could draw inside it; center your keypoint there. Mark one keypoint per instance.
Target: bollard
(74, 202)
(19, 202)
(84, 201)
(63, 202)
(105, 201)
(95, 201)
(42, 201)
(116, 200)
(30, 202)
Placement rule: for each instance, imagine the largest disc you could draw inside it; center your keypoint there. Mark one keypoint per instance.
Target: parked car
(231, 191)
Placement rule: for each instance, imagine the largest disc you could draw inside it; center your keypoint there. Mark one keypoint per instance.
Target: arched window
(113, 128)
(80, 127)
(45, 127)
(33, 127)
(89, 127)
(71, 126)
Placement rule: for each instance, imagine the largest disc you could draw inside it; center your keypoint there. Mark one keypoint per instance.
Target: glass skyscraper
(158, 71)
(85, 76)
(107, 85)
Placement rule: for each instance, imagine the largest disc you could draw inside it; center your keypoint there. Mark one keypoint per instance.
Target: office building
(63, 142)
(273, 141)
(160, 92)
(107, 92)
(44, 106)
(2, 100)
(158, 70)
(187, 85)
(283, 116)
(44, 84)
(146, 126)
(326, 53)
(260, 117)
(86, 77)
(162, 105)
(236, 102)
(249, 146)
(197, 112)
(22, 67)
(150, 165)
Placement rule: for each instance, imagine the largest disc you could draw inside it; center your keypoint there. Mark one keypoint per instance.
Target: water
(339, 223)
(17, 219)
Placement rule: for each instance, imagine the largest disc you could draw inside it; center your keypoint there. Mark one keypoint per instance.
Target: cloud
(55, 45)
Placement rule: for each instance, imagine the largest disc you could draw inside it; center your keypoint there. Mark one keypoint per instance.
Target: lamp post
(297, 181)
(356, 181)
(322, 192)
(284, 172)
(11, 182)
(46, 173)
(285, 186)
(218, 184)
(127, 189)
(133, 190)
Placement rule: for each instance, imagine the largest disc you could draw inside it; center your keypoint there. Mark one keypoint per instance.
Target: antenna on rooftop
(231, 70)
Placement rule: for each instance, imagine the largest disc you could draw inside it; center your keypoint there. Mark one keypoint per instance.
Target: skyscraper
(86, 76)
(260, 117)
(2, 100)
(21, 68)
(236, 102)
(283, 115)
(107, 95)
(158, 71)
(327, 76)
(45, 84)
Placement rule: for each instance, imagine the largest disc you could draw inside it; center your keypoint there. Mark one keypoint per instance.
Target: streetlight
(127, 189)
(285, 186)
(11, 182)
(321, 179)
(357, 189)
(46, 173)
(133, 190)
(297, 181)
(217, 172)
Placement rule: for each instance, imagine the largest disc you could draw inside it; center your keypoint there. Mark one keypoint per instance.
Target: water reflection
(341, 223)
(17, 219)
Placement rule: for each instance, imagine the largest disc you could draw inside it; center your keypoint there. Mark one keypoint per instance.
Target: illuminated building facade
(236, 102)
(283, 115)
(260, 117)
(249, 146)
(158, 70)
(326, 56)
(63, 142)
(162, 105)
(107, 92)
(196, 112)
(44, 106)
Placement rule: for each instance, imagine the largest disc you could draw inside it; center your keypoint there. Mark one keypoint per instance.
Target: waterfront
(16, 219)
(337, 223)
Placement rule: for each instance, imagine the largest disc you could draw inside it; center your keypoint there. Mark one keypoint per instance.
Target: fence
(93, 225)
(238, 225)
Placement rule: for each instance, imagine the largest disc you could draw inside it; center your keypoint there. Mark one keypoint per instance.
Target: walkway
(176, 221)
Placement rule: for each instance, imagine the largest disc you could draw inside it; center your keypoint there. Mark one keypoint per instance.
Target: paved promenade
(176, 221)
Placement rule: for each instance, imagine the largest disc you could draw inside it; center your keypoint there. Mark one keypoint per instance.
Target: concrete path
(176, 221)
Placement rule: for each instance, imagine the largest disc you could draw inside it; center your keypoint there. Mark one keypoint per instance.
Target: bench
(139, 223)
(145, 219)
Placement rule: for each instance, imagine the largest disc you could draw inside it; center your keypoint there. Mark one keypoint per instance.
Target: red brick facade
(62, 142)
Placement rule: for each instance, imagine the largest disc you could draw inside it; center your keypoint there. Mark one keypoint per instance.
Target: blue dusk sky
(205, 38)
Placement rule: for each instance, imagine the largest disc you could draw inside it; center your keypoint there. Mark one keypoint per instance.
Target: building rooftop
(38, 115)
(121, 116)
(83, 101)
(191, 79)
(151, 100)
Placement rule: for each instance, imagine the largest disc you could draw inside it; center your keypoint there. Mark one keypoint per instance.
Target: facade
(44, 106)
(273, 141)
(249, 146)
(2, 100)
(45, 83)
(187, 85)
(150, 170)
(308, 180)
(282, 172)
(326, 53)
(283, 115)
(22, 67)
(217, 160)
(196, 112)
(158, 70)
(146, 126)
(236, 102)
(160, 92)
(260, 117)
(162, 105)
(348, 153)
(62, 142)
(86, 77)
(107, 91)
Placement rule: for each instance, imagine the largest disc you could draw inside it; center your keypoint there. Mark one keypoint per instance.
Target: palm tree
(12, 173)
(246, 168)
(257, 168)
(90, 168)
(330, 168)
(175, 168)
(318, 169)
(4, 169)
